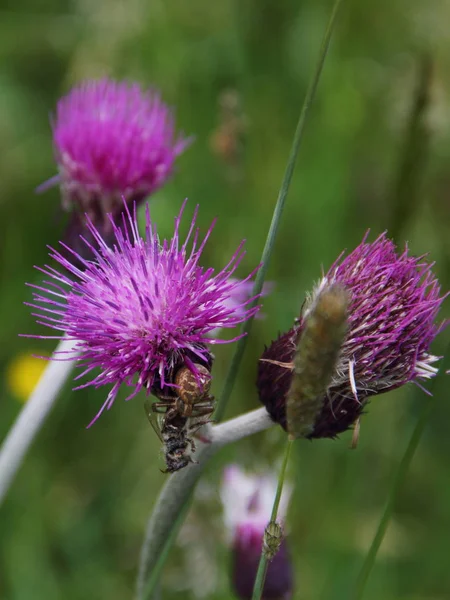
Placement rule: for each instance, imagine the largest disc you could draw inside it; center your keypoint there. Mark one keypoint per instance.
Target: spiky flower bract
(394, 301)
(112, 140)
(247, 501)
(142, 308)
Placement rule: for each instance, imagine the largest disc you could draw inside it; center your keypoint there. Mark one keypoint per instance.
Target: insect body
(175, 438)
(191, 400)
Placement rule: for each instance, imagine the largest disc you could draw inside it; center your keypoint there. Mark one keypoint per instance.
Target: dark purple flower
(112, 140)
(394, 301)
(142, 308)
(247, 501)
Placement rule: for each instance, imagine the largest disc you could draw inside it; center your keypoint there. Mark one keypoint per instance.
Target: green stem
(270, 240)
(413, 154)
(264, 561)
(260, 577)
(399, 480)
(392, 497)
(276, 502)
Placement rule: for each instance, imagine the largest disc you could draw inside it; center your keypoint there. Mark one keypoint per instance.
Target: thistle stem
(151, 586)
(260, 577)
(278, 211)
(165, 519)
(264, 561)
(33, 415)
(276, 502)
(398, 482)
(392, 497)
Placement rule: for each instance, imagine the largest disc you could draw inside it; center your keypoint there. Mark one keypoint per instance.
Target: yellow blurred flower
(23, 373)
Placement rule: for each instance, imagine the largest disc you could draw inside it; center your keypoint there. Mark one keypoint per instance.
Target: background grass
(73, 522)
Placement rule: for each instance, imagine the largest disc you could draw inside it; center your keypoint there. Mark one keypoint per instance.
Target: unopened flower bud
(273, 537)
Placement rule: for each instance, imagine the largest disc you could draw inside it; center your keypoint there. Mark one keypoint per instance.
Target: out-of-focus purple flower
(241, 293)
(247, 501)
(142, 308)
(394, 301)
(113, 141)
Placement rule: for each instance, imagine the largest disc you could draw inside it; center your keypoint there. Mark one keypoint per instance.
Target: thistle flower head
(247, 501)
(112, 141)
(142, 308)
(394, 301)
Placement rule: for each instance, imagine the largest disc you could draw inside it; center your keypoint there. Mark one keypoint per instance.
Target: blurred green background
(73, 522)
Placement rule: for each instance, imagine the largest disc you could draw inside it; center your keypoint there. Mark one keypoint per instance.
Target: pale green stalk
(165, 519)
(34, 413)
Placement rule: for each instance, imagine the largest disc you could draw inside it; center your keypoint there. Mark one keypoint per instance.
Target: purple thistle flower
(394, 301)
(247, 501)
(141, 309)
(112, 141)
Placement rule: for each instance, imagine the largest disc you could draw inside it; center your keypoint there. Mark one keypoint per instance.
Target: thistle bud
(393, 301)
